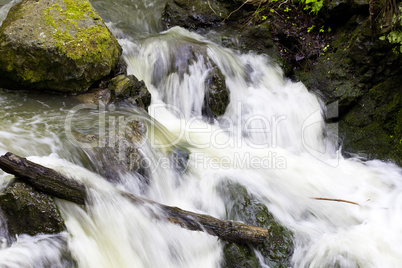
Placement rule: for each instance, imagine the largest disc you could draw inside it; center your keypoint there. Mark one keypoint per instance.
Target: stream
(272, 140)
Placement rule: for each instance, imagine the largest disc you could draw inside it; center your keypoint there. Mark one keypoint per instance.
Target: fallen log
(53, 183)
(43, 179)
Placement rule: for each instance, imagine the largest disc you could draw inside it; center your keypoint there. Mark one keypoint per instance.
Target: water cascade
(272, 140)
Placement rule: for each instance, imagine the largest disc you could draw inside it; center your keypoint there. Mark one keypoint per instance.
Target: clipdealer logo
(229, 135)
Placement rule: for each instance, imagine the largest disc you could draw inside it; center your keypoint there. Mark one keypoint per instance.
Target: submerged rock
(58, 45)
(217, 96)
(178, 63)
(96, 96)
(28, 211)
(239, 256)
(243, 206)
(117, 150)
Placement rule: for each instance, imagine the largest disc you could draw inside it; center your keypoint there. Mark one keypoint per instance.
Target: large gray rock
(60, 45)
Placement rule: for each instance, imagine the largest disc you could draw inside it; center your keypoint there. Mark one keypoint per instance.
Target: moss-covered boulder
(59, 45)
(242, 206)
(28, 211)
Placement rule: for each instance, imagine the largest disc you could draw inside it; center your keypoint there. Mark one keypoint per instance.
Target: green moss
(9, 55)
(26, 71)
(121, 86)
(78, 43)
(395, 35)
(237, 256)
(29, 75)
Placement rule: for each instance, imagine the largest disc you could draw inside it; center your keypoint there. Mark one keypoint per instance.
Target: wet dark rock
(217, 96)
(142, 98)
(356, 63)
(243, 206)
(362, 74)
(121, 68)
(28, 211)
(55, 45)
(196, 14)
(140, 94)
(239, 256)
(373, 127)
(193, 14)
(338, 12)
(129, 87)
(258, 39)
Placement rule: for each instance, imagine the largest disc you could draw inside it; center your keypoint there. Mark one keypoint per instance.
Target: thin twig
(230, 14)
(284, 2)
(336, 200)
(209, 4)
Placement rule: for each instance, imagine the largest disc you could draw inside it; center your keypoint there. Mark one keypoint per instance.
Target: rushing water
(272, 140)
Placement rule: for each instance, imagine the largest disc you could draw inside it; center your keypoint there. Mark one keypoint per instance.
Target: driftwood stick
(53, 183)
(336, 200)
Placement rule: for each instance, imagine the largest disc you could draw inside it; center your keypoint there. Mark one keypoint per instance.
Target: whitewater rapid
(272, 139)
